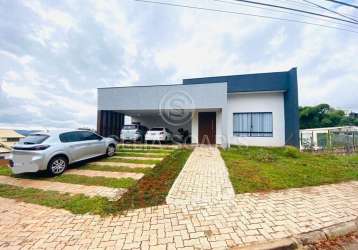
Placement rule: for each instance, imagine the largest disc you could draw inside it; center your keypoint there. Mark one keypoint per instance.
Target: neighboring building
(254, 109)
(330, 137)
(353, 115)
(8, 138)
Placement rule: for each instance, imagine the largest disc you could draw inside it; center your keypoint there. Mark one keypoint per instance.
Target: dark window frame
(252, 133)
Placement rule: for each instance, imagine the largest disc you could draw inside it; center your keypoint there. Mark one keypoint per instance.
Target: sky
(55, 54)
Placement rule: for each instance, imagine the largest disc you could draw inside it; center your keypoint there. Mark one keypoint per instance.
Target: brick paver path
(108, 174)
(250, 217)
(122, 164)
(146, 153)
(90, 191)
(204, 179)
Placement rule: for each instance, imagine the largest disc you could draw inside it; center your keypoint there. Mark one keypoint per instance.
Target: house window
(257, 124)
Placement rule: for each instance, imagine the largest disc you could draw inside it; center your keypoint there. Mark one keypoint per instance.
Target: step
(107, 174)
(122, 164)
(137, 158)
(112, 194)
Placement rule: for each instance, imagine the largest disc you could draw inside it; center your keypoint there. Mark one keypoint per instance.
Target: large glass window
(88, 136)
(256, 124)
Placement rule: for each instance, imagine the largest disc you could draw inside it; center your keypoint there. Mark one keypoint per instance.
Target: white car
(134, 132)
(159, 135)
(54, 151)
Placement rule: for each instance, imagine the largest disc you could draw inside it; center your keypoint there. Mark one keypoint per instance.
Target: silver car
(54, 151)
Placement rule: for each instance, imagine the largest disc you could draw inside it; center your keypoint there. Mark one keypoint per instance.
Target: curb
(299, 241)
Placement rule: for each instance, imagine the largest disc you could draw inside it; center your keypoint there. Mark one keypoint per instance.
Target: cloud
(53, 55)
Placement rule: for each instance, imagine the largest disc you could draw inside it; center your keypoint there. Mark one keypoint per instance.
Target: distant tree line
(323, 115)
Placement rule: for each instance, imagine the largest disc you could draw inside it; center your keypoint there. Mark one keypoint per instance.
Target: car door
(74, 145)
(95, 145)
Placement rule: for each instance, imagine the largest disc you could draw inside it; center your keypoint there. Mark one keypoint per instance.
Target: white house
(255, 109)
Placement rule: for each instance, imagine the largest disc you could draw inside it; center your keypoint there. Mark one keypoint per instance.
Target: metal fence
(331, 139)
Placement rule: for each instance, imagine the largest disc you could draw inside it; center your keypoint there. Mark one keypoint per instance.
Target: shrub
(291, 152)
(263, 156)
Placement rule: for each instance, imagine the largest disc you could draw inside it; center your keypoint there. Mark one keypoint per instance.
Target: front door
(207, 127)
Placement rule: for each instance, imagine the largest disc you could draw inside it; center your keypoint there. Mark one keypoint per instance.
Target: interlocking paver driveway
(250, 217)
(203, 180)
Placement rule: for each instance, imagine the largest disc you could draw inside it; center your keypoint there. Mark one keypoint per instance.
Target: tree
(323, 115)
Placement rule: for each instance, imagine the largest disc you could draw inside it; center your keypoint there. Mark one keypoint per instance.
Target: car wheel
(57, 165)
(111, 150)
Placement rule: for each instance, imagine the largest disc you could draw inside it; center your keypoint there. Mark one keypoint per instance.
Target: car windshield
(34, 139)
(156, 129)
(128, 127)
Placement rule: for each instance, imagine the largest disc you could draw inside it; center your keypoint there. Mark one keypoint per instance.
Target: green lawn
(154, 151)
(75, 179)
(255, 169)
(112, 159)
(78, 204)
(115, 169)
(147, 154)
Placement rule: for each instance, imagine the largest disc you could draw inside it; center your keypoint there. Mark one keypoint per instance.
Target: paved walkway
(203, 180)
(108, 174)
(138, 158)
(90, 191)
(249, 218)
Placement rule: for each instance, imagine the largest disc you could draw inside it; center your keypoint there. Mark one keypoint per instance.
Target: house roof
(9, 133)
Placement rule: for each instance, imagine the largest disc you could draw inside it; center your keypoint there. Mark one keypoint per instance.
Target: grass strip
(149, 155)
(145, 150)
(115, 169)
(111, 159)
(77, 204)
(74, 179)
(254, 169)
(152, 189)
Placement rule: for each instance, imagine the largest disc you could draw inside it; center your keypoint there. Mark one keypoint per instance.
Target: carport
(199, 109)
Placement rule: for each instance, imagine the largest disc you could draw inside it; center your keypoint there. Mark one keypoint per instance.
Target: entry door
(207, 128)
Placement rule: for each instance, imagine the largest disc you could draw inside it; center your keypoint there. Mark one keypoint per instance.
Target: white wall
(194, 127)
(258, 102)
(196, 96)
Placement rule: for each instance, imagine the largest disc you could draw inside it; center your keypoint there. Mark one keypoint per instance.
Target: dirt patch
(339, 243)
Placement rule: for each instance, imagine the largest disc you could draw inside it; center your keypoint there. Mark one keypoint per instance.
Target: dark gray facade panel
(109, 122)
(276, 81)
(291, 110)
